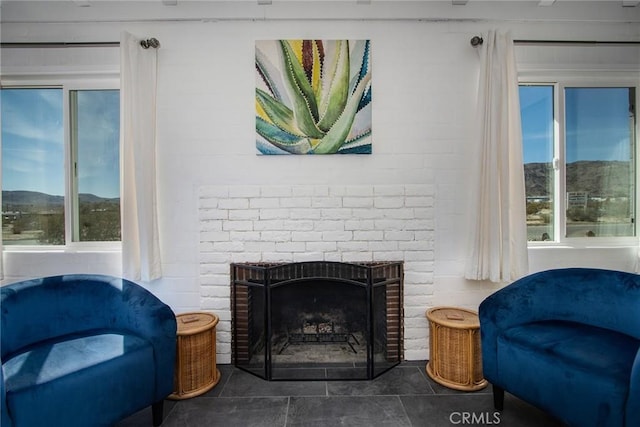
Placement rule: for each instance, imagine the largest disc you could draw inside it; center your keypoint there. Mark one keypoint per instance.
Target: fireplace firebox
(317, 320)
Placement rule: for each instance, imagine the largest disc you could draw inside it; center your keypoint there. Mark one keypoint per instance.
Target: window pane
(600, 168)
(32, 167)
(95, 136)
(536, 106)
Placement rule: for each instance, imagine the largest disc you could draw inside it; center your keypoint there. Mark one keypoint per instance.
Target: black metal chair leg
(157, 412)
(498, 398)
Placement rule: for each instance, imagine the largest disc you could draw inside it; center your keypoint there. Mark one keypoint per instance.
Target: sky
(33, 141)
(597, 124)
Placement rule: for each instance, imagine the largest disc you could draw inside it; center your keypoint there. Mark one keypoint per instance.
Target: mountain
(34, 198)
(598, 178)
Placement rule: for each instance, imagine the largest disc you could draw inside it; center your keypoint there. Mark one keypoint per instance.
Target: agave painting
(313, 97)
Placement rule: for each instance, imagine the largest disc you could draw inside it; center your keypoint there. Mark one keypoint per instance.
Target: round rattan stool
(454, 346)
(196, 371)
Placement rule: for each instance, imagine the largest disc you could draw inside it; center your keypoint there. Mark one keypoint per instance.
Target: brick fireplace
(317, 320)
(334, 223)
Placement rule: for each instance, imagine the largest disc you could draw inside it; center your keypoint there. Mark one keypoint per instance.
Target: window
(579, 145)
(60, 165)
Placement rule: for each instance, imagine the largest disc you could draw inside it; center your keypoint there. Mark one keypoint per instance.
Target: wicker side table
(196, 371)
(454, 345)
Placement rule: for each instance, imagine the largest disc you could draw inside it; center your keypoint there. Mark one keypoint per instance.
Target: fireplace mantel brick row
(359, 223)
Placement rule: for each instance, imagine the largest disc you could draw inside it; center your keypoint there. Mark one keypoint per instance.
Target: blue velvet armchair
(83, 350)
(568, 342)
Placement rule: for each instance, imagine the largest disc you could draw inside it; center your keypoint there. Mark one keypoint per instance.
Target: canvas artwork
(313, 97)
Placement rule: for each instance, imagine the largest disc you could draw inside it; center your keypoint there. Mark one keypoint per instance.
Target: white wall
(424, 89)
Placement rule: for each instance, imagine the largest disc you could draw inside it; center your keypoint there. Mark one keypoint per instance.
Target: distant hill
(598, 178)
(34, 198)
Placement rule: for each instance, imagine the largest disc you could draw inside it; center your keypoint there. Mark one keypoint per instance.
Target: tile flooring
(403, 396)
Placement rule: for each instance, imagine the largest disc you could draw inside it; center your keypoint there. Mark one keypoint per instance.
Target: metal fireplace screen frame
(252, 288)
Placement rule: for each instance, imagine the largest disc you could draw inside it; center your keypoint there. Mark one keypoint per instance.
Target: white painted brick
(260, 246)
(368, 235)
(337, 236)
(306, 236)
(390, 224)
(237, 214)
(388, 190)
(239, 257)
(206, 192)
(245, 191)
(206, 214)
(359, 191)
(228, 246)
(308, 256)
(386, 255)
(257, 203)
(276, 191)
(399, 235)
(311, 214)
(244, 236)
(298, 225)
(337, 213)
(297, 202)
(420, 190)
(359, 224)
(333, 257)
(385, 246)
(214, 257)
(239, 203)
(357, 202)
(418, 256)
(269, 225)
(215, 279)
(417, 224)
(321, 246)
(275, 236)
(302, 190)
(388, 202)
(399, 213)
(216, 291)
(329, 225)
(423, 213)
(210, 203)
(277, 257)
(291, 247)
(214, 236)
(422, 245)
(364, 213)
(419, 201)
(230, 225)
(277, 213)
(326, 202)
(353, 246)
(357, 256)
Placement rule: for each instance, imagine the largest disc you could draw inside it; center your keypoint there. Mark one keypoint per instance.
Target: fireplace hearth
(317, 320)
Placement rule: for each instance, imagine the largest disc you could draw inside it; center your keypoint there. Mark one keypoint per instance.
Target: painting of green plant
(313, 96)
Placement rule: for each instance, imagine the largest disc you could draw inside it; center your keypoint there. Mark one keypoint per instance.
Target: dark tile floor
(403, 396)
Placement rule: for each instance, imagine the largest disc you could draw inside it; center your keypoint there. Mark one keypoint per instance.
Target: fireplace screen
(317, 320)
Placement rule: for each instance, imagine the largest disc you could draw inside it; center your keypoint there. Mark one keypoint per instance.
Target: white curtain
(498, 234)
(140, 239)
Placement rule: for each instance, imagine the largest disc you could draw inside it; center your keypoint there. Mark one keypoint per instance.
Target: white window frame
(67, 84)
(560, 81)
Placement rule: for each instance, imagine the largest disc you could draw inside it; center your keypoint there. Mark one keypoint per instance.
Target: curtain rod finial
(476, 41)
(152, 42)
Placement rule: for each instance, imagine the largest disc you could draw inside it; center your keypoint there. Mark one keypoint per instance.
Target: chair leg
(157, 412)
(498, 398)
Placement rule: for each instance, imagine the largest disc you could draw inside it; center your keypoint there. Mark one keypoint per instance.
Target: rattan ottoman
(454, 346)
(196, 371)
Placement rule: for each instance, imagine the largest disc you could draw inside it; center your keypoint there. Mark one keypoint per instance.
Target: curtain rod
(478, 40)
(152, 42)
